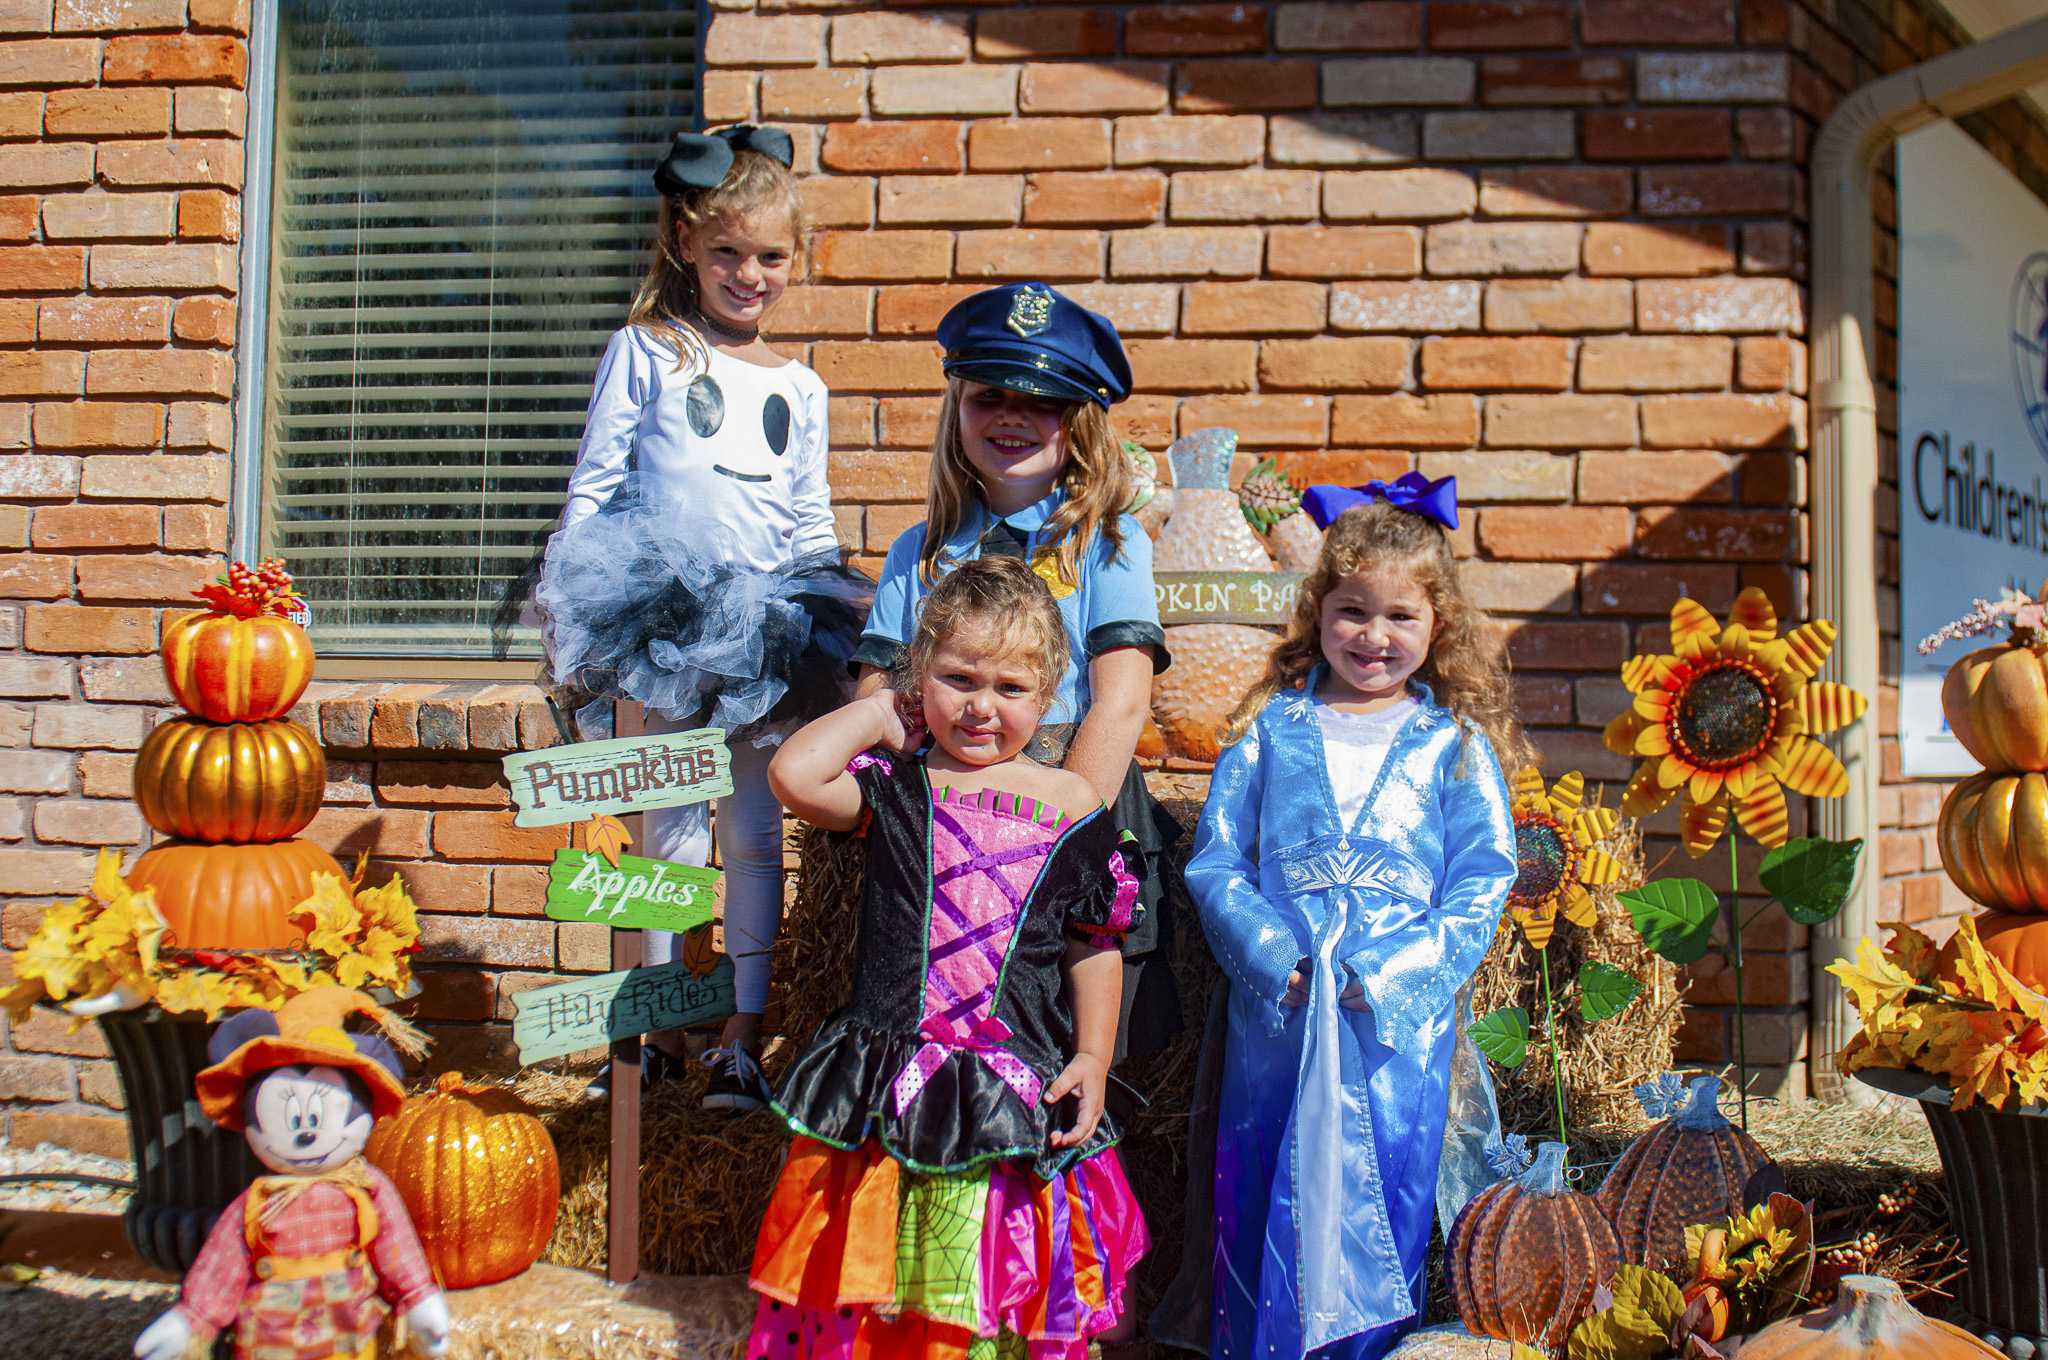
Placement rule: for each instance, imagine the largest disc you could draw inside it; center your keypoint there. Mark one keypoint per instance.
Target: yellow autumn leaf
(22, 999)
(52, 954)
(1914, 952)
(1877, 984)
(330, 917)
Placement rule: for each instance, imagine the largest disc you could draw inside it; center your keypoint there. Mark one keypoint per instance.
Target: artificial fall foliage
(113, 937)
(247, 592)
(1954, 1012)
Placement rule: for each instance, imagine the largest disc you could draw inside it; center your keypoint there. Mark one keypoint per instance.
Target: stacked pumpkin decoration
(1994, 826)
(1691, 1167)
(234, 781)
(1525, 1256)
(478, 1175)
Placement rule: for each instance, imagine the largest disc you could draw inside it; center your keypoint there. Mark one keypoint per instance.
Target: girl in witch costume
(952, 1188)
(306, 1263)
(1350, 867)
(1025, 465)
(697, 569)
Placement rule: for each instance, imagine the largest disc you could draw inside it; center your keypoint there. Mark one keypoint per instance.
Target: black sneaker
(736, 1080)
(656, 1067)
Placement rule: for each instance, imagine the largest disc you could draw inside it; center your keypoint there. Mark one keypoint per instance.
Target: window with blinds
(460, 211)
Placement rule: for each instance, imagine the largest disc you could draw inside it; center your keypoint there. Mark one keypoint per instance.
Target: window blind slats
(460, 214)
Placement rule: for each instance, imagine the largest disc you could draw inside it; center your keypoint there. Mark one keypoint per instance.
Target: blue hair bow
(1411, 491)
(701, 160)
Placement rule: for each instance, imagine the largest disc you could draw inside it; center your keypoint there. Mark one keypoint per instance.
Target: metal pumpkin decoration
(232, 896)
(478, 1175)
(1993, 836)
(239, 782)
(1688, 1168)
(244, 660)
(1527, 1253)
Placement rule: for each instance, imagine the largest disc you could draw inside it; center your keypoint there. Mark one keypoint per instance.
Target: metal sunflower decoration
(1557, 854)
(1729, 719)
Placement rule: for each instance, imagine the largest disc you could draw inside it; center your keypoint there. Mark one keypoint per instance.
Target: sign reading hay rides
(634, 894)
(625, 774)
(592, 1012)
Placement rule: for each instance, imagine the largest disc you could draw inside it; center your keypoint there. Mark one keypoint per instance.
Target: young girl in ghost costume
(306, 1263)
(1350, 868)
(697, 569)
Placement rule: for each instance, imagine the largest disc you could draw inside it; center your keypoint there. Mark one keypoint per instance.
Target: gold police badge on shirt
(1030, 311)
(1046, 567)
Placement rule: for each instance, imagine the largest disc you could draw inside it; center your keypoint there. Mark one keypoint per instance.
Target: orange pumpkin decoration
(1526, 1254)
(227, 669)
(1869, 1320)
(1690, 1168)
(1993, 836)
(478, 1175)
(2019, 941)
(1996, 702)
(232, 896)
(230, 782)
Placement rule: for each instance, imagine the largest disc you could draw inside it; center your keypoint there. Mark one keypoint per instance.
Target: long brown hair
(1096, 478)
(1467, 667)
(667, 296)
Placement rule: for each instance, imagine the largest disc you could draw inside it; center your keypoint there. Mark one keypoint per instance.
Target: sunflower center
(1724, 717)
(1542, 857)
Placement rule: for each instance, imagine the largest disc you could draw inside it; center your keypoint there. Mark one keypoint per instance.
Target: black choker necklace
(730, 334)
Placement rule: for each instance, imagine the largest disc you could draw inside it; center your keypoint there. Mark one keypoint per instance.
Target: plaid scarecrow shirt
(321, 1219)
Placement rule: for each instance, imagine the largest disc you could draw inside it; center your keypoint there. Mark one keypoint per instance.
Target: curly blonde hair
(1000, 600)
(1096, 478)
(1467, 666)
(667, 297)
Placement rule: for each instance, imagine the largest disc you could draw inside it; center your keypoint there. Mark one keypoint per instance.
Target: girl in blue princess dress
(1350, 868)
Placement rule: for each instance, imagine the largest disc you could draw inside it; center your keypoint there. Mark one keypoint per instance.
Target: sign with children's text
(1255, 597)
(622, 775)
(634, 894)
(551, 1022)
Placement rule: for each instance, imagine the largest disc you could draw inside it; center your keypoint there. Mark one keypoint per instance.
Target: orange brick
(873, 39)
(1568, 646)
(396, 833)
(1185, 252)
(21, 115)
(232, 15)
(931, 200)
(1499, 24)
(210, 112)
(915, 309)
(1640, 249)
(1714, 190)
(1330, 364)
(885, 523)
(125, 679)
(1404, 421)
(819, 309)
(1093, 88)
(34, 576)
(1194, 30)
(1014, 33)
(442, 783)
(1553, 533)
(763, 40)
(1344, 252)
(51, 165)
(42, 269)
(1262, 420)
(186, 161)
(908, 422)
(105, 321)
(965, 92)
(1528, 364)
(911, 146)
(831, 202)
(71, 217)
(1727, 421)
(1555, 191)
(1242, 86)
(1038, 144)
(1503, 475)
(17, 324)
(88, 822)
(1491, 248)
(488, 942)
(728, 97)
(209, 215)
(180, 268)
(199, 425)
(17, 217)
(98, 16)
(1028, 253)
(517, 890)
(1416, 307)
(185, 59)
(1638, 478)
(1190, 139)
(1560, 422)
(878, 366)
(158, 578)
(1182, 366)
(1562, 305)
(51, 61)
(205, 321)
(1133, 308)
(98, 425)
(1718, 535)
(853, 427)
(85, 629)
(161, 373)
(813, 94)
(65, 527)
(1575, 82)
(1770, 364)
(108, 113)
(863, 475)
(1656, 135)
(40, 374)
(1342, 139)
(1654, 363)
(1261, 308)
(883, 255)
(491, 836)
(178, 477)
(101, 1135)
(1095, 198)
(1244, 195)
(1649, 587)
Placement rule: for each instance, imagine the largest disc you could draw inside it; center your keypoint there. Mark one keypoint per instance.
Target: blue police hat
(1031, 338)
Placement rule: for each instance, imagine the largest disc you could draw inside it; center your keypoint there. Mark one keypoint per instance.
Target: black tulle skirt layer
(640, 603)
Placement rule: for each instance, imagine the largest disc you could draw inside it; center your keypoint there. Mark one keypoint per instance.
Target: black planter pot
(1996, 1166)
(187, 1168)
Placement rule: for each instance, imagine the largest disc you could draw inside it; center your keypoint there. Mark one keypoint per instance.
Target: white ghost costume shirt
(740, 445)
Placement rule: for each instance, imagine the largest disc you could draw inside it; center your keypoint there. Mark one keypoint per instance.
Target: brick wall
(1554, 248)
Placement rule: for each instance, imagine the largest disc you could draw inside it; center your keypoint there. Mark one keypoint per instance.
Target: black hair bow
(700, 160)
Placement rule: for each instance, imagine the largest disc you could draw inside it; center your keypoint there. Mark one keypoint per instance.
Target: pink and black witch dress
(922, 1211)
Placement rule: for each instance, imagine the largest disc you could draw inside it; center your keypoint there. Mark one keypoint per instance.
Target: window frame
(252, 330)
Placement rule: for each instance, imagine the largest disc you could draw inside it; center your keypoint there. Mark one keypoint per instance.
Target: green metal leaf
(1503, 1036)
(1675, 916)
(1605, 991)
(1811, 876)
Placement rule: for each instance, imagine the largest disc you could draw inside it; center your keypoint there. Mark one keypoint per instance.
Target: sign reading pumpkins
(550, 1022)
(634, 894)
(1254, 597)
(622, 775)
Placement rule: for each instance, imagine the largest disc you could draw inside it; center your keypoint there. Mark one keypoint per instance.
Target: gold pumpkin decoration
(1526, 1254)
(1994, 839)
(232, 896)
(1690, 1168)
(239, 782)
(1996, 702)
(1869, 1320)
(478, 1175)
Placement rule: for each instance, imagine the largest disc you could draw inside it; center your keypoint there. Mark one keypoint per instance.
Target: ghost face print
(748, 438)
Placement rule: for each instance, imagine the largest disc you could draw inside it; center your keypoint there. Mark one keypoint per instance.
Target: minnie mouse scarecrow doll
(306, 1263)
